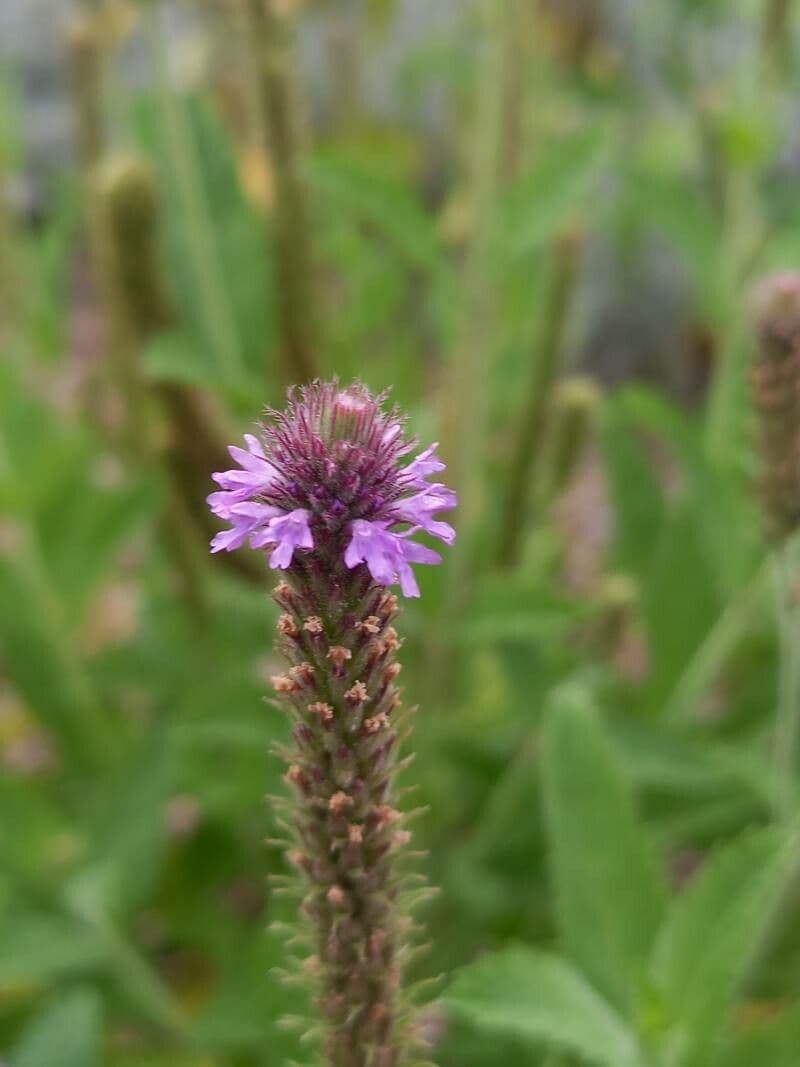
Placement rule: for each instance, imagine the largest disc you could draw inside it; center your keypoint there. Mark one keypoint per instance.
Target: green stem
(297, 298)
(787, 725)
(86, 78)
(741, 235)
(717, 647)
(134, 973)
(467, 378)
(469, 374)
(775, 27)
(199, 228)
(527, 447)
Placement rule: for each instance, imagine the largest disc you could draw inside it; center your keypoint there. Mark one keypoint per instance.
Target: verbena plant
(598, 785)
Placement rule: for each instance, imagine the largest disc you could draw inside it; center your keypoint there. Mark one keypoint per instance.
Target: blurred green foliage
(593, 751)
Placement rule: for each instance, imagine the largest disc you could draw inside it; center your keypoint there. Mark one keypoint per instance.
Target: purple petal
(414, 552)
(425, 464)
(286, 532)
(408, 583)
(281, 556)
(420, 509)
(387, 555)
(254, 445)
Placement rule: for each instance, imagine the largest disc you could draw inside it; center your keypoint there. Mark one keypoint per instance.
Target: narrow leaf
(67, 1032)
(708, 938)
(609, 901)
(540, 998)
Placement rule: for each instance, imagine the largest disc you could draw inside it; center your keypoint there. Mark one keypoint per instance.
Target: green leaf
(542, 999)
(37, 948)
(638, 503)
(561, 183)
(129, 834)
(609, 901)
(707, 940)
(66, 1032)
(218, 257)
(771, 1044)
(676, 623)
(380, 200)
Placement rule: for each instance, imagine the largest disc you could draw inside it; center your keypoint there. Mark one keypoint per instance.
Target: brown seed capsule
(339, 655)
(391, 642)
(325, 712)
(377, 941)
(357, 693)
(302, 673)
(376, 723)
(386, 814)
(282, 683)
(295, 776)
(391, 672)
(337, 897)
(340, 802)
(287, 626)
(388, 604)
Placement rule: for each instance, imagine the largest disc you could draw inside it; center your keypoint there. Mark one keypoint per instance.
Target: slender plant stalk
(724, 430)
(86, 80)
(328, 490)
(531, 428)
(775, 393)
(516, 54)
(468, 376)
(345, 66)
(570, 424)
(787, 727)
(717, 647)
(775, 30)
(135, 307)
(297, 297)
(215, 307)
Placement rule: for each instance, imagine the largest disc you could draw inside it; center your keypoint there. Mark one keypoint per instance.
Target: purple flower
(423, 466)
(257, 475)
(387, 555)
(329, 476)
(246, 519)
(286, 532)
(420, 509)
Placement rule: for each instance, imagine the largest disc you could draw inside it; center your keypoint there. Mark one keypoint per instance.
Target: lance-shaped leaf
(66, 1032)
(707, 943)
(538, 997)
(608, 898)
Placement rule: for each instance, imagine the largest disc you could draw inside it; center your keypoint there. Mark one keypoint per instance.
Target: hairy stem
(297, 298)
(775, 28)
(337, 634)
(787, 726)
(199, 229)
(127, 212)
(531, 428)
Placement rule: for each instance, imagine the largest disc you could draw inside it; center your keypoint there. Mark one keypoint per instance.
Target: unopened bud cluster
(775, 390)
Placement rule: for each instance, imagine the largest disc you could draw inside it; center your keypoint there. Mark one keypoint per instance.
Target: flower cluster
(328, 474)
(775, 391)
(329, 488)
